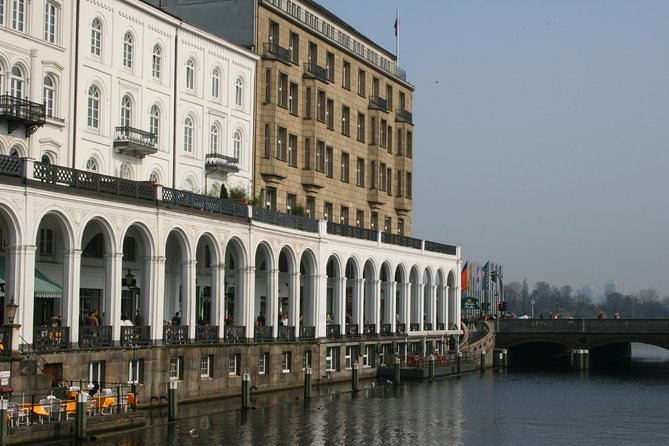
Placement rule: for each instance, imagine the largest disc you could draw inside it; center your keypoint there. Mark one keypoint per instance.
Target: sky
(541, 135)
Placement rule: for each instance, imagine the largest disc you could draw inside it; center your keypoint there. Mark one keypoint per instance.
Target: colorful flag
(463, 278)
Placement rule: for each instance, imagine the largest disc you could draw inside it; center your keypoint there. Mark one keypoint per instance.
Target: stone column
(319, 294)
(189, 268)
(153, 295)
(294, 301)
(112, 304)
(392, 291)
(71, 285)
(20, 285)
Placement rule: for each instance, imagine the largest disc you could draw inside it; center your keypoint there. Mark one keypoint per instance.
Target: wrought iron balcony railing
(307, 333)
(263, 334)
(402, 115)
(47, 339)
(222, 163)
(370, 330)
(136, 335)
(286, 333)
(333, 331)
(206, 334)
(414, 326)
(274, 51)
(134, 142)
(378, 103)
(401, 329)
(235, 334)
(175, 334)
(386, 330)
(427, 326)
(313, 70)
(91, 336)
(19, 111)
(352, 231)
(352, 331)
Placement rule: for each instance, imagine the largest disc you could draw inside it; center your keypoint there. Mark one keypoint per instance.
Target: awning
(44, 287)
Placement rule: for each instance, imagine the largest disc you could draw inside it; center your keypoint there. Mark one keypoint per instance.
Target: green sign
(470, 303)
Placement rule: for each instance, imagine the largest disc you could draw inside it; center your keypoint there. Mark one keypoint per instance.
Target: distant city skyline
(540, 132)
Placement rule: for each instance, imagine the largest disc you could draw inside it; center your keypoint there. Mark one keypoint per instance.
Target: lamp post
(556, 307)
(532, 302)
(11, 310)
(131, 283)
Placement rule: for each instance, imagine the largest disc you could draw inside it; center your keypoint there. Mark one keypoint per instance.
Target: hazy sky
(541, 132)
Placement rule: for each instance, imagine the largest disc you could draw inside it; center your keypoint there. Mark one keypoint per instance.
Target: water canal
(613, 407)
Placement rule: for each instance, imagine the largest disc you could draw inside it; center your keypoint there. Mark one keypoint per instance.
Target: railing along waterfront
(650, 326)
(136, 335)
(286, 220)
(202, 202)
(92, 336)
(206, 334)
(46, 339)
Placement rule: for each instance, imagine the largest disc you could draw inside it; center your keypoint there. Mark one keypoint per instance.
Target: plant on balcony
(238, 194)
(298, 210)
(224, 192)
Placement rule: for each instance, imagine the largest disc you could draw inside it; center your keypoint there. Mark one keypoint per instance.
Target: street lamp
(11, 310)
(556, 307)
(532, 302)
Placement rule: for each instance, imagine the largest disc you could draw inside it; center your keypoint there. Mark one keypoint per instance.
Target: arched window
(157, 61)
(18, 15)
(128, 47)
(188, 135)
(46, 159)
(15, 152)
(49, 95)
(213, 139)
(190, 74)
(237, 145)
(154, 177)
(215, 83)
(18, 83)
(239, 91)
(92, 165)
(126, 111)
(96, 37)
(94, 107)
(154, 120)
(51, 12)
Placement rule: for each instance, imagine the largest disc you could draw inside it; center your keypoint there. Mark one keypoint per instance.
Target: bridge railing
(582, 326)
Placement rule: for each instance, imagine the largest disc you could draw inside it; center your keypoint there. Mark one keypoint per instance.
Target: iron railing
(307, 333)
(400, 329)
(11, 166)
(441, 326)
(440, 248)
(206, 334)
(386, 330)
(369, 330)
(352, 231)
(263, 334)
(286, 333)
(414, 326)
(175, 334)
(91, 336)
(125, 134)
(378, 103)
(286, 220)
(333, 331)
(401, 240)
(211, 204)
(427, 326)
(273, 50)
(645, 326)
(316, 71)
(235, 334)
(219, 161)
(404, 116)
(17, 111)
(352, 331)
(137, 335)
(47, 339)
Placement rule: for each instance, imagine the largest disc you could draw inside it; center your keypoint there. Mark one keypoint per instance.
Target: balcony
(216, 162)
(91, 336)
(276, 52)
(378, 103)
(312, 180)
(134, 142)
(376, 197)
(313, 71)
(175, 334)
(206, 334)
(50, 339)
(135, 335)
(402, 115)
(21, 111)
(403, 205)
(286, 333)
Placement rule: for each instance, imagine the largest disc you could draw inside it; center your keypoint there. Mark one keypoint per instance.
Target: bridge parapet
(593, 326)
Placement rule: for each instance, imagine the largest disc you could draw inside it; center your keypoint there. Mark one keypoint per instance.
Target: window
(327, 211)
(313, 53)
(271, 198)
(374, 223)
(372, 173)
(390, 139)
(50, 21)
(361, 127)
(205, 366)
(96, 372)
(368, 356)
(291, 203)
(268, 86)
(46, 241)
(346, 75)
(400, 146)
(281, 136)
(18, 14)
(349, 356)
(307, 104)
(136, 371)
(331, 359)
(329, 161)
(286, 358)
(384, 135)
(93, 107)
(344, 215)
(398, 189)
(402, 101)
(360, 218)
(292, 98)
(237, 145)
(310, 207)
(267, 137)
(389, 96)
(177, 368)
(329, 114)
(49, 95)
(345, 120)
(306, 360)
(409, 144)
(215, 83)
(307, 153)
(213, 139)
(92, 165)
(292, 150)
(263, 363)
(154, 120)
(188, 135)
(96, 37)
(330, 66)
(320, 106)
(128, 47)
(320, 156)
(360, 173)
(400, 226)
(190, 74)
(283, 90)
(15, 152)
(344, 167)
(375, 86)
(18, 83)
(388, 224)
(408, 185)
(234, 364)
(382, 176)
(126, 111)
(389, 181)
(156, 61)
(239, 91)
(294, 48)
(361, 83)
(372, 130)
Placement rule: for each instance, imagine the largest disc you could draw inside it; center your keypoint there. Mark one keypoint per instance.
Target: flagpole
(397, 37)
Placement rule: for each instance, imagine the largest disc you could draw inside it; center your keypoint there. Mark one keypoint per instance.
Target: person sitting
(176, 319)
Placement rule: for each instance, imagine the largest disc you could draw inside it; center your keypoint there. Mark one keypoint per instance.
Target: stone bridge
(578, 342)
